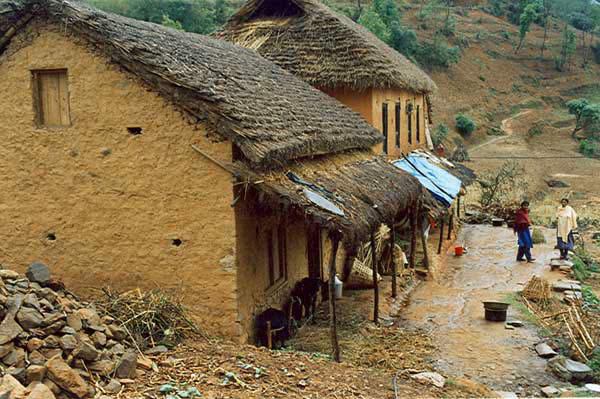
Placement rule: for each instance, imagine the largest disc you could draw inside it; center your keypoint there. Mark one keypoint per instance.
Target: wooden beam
(425, 252)
(413, 233)
(451, 225)
(458, 206)
(394, 265)
(335, 346)
(439, 251)
(375, 282)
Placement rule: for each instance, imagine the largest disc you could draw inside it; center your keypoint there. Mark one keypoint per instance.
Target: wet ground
(451, 309)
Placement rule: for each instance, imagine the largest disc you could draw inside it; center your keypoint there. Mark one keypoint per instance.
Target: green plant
(589, 297)
(437, 53)
(568, 47)
(580, 269)
(403, 40)
(465, 125)
(587, 117)
(590, 148)
(373, 22)
(537, 236)
(439, 134)
(528, 16)
(594, 362)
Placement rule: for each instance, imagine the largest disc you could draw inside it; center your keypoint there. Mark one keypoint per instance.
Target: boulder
(9, 329)
(431, 378)
(550, 391)
(127, 365)
(15, 358)
(29, 318)
(113, 386)
(35, 374)
(11, 385)
(569, 370)
(593, 388)
(99, 339)
(89, 317)
(6, 349)
(41, 391)
(103, 367)
(6, 274)
(30, 300)
(39, 273)
(37, 358)
(68, 343)
(544, 350)
(65, 377)
(34, 344)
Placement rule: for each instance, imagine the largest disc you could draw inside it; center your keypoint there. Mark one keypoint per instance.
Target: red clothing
(522, 220)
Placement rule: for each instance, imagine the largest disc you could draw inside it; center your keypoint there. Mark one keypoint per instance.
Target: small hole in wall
(176, 242)
(51, 237)
(134, 131)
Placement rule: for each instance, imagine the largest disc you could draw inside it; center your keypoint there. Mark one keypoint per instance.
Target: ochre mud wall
(116, 203)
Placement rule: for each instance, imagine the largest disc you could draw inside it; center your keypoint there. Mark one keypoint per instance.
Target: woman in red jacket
(522, 223)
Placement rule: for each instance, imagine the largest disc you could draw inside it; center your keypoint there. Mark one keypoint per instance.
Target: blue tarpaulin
(442, 185)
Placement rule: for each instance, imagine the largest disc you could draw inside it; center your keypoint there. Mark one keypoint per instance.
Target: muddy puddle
(451, 309)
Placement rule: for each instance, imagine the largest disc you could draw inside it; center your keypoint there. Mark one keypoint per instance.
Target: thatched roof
(366, 188)
(271, 115)
(322, 47)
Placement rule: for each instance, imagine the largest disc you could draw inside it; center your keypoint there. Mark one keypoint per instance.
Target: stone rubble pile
(54, 346)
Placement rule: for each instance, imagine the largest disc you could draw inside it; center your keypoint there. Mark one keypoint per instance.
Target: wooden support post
(375, 282)
(458, 206)
(425, 254)
(394, 264)
(441, 236)
(335, 346)
(413, 233)
(451, 225)
(269, 335)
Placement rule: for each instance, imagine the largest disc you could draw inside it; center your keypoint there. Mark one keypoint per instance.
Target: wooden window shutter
(51, 98)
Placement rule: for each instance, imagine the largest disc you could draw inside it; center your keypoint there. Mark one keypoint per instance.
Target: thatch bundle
(271, 115)
(322, 47)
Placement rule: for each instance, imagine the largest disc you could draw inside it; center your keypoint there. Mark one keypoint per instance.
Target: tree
(373, 22)
(497, 186)
(465, 125)
(168, 22)
(387, 10)
(222, 12)
(567, 48)
(529, 15)
(437, 53)
(403, 40)
(545, 20)
(587, 117)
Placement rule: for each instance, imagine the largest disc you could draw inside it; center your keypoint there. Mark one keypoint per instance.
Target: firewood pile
(538, 291)
(54, 345)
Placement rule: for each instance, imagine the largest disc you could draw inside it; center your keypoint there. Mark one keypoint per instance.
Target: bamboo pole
(335, 346)
(439, 251)
(375, 282)
(394, 265)
(413, 233)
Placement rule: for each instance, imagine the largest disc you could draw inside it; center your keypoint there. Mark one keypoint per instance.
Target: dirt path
(507, 127)
(451, 309)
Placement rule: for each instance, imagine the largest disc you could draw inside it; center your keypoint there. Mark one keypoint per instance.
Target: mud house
(343, 59)
(139, 156)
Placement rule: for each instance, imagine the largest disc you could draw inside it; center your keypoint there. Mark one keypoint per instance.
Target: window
(398, 123)
(418, 123)
(277, 254)
(384, 124)
(51, 98)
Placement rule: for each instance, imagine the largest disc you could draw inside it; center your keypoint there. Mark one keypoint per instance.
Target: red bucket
(459, 251)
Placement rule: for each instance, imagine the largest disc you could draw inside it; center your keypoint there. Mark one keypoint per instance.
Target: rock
(557, 263)
(6, 274)
(117, 349)
(52, 341)
(37, 358)
(67, 378)
(557, 183)
(39, 273)
(569, 370)
(157, 350)
(35, 374)
(432, 378)
(99, 339)
(15, 358)
(52, 386)
(515, 323)
(113, 386)
(14, 302)
(6, 349)
(86, 350)
(144, 363)
(49, 353)
(68, 330)
(68, 343)
(10, 384)
(544, 350)
(89, 317)
(74, 321)
(127, 365)
(9, 329)
(30, 300)
(506, 395)
(509, 327)
(566, 285)
(550, 391)
(29, 318)
(593, 387)
(104, 367)
(117, 332)
(34, 344)
(18, 373)
(41, 391)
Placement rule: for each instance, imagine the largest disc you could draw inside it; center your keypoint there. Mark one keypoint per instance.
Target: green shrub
(439, 134)
(449, 27)
(580, 270)
(594, 362)
(590, 148)
(403, 40)
(463, 41)
(496, 131)
(373, 22)
(465, 125)
(437, 53)
(596, 51)
(537, 236)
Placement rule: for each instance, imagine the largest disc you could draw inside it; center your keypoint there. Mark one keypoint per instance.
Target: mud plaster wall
(255, 294)
(368, 104)
(114, 201)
